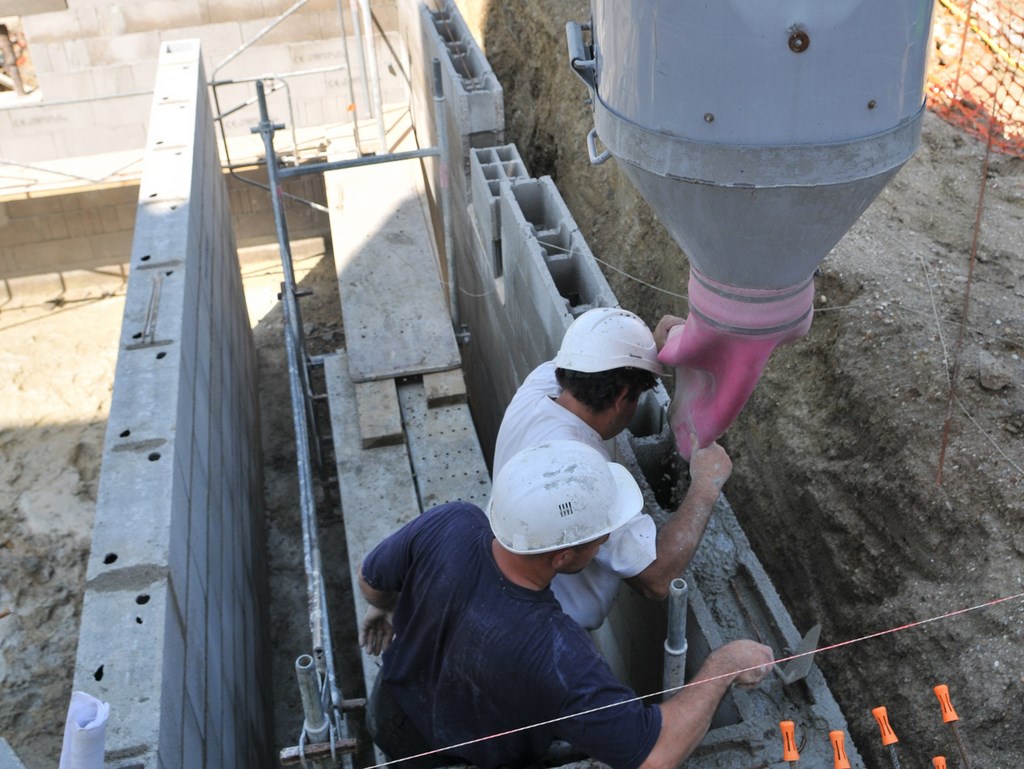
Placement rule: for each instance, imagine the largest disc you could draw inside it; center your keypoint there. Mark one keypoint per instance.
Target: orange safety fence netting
(976, 79)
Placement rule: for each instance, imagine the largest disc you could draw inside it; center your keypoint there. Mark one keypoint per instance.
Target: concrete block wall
(174, 631)
(58, 231)
(476, 108)
(95, 63)
(73, 228)
(488, 168)
(474, 114)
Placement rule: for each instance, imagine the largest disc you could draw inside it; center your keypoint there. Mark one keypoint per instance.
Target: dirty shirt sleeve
(607, 721)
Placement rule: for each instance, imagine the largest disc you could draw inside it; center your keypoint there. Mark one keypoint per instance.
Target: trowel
(798, 667)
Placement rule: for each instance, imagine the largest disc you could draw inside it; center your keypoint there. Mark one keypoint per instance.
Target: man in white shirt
(589, 393)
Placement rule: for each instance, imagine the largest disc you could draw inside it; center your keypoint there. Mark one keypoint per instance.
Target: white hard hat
(607, 338)
(559, 494)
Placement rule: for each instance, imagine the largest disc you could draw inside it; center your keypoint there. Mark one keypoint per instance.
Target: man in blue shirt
(481, 665)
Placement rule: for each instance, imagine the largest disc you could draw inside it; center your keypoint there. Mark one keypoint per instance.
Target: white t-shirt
(532, 417)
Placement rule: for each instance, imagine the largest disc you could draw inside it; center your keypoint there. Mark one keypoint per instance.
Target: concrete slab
(444, 450)
(392, 301)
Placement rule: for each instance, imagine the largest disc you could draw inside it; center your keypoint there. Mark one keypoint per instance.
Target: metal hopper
(759, 133)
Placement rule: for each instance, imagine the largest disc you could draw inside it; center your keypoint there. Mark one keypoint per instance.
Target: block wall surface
(174, 630)
(95, 63)
(86, 228)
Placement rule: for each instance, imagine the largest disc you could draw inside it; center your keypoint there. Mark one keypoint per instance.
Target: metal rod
(289, 756)
(248, 43)
(353, 108)
(371, 66)
(315, 723)
(674, 674)
(357, 36)
(961, 745)
(444, 183)
(369, 160)
(298, 385)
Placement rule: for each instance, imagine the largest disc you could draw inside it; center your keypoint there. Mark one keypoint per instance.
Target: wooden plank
(443, 447)
(380, 420)
(445, 388)
(392, 299)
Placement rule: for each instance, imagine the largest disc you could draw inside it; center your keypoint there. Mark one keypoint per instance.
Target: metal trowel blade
(798, 668)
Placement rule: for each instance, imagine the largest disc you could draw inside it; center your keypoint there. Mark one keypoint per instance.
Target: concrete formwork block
(117, 79)
(122, 49)
(469, 81)
(261, 57)
(217, 40)
(474, 112)
(75, 143)
(564, 250)
(58, 26)
(299, 26)
(316, 53)
(47, 56)
(154, 15)
(488, 168)
(54, 119)
(533, 302)
(70, 85)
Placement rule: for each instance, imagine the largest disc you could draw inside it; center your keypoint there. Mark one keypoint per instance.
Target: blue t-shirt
(475, 655)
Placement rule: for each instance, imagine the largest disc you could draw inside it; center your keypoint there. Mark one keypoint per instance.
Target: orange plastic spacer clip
(882, 717)
(939, 762)
(948, 714)
(789, 751)
(839, 749)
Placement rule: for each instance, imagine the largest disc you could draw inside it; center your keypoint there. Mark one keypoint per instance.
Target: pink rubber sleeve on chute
(717, 370)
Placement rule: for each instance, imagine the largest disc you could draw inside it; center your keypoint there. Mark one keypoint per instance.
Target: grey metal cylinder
(758, 132)
(674, 670)
(316, 723)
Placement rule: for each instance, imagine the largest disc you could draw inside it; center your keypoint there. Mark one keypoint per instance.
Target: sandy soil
(836, 456)
(56, 374)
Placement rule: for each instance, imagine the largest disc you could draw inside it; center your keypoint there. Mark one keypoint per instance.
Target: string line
(639, 698)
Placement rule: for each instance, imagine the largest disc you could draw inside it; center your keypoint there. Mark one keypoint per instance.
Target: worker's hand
(666, 323)
(375, 631)
(752, 659)
(709, 465)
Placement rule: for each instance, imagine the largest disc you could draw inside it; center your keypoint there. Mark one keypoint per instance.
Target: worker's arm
(680, 535)
(686, 716)
(375, 631)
